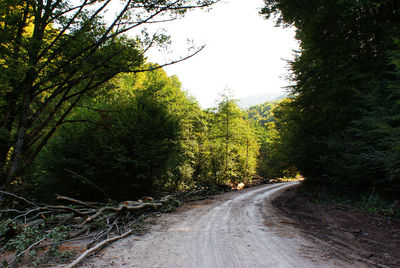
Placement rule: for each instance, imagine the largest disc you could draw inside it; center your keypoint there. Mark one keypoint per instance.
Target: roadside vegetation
(93, 136)
(86, 120)
(340, 126)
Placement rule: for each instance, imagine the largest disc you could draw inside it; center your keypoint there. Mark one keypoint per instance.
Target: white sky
(243, 52)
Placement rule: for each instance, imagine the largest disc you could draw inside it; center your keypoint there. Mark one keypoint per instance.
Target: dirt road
(238, 229)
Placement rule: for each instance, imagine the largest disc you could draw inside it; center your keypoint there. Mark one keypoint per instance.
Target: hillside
(252, 100)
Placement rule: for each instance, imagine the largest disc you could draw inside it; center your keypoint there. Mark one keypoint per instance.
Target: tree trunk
(247, 158)
(227, 143)
(16, 156)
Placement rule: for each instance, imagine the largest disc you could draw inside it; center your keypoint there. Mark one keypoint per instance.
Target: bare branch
(147, 22)
(11, 210)
(61, 197)
(103, 39)
(51, 19)
(96, 110)
(71, 84)
(121, 207)
(65, 208)
(65, 28)
(77, 121)
(88, 181)
(16, 257)
(80, 202)
(97, 247)
(20, 198)
(165, 64)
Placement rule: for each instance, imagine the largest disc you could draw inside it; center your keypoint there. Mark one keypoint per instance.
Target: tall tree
(234, 145)
(271, 119)
(134, 136)
(55, 52)
(345, 105)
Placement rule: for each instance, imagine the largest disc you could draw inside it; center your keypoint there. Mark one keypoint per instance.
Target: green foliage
(262, 114)
(27, 236)
(141, 134)
(269, 120)
(130, 141)
(24, 239)
(171, 206)
(48, 63)
(232, 147)
(54, 54)
(342, 125)
(371, 202)
(59, 233)
(6, 225)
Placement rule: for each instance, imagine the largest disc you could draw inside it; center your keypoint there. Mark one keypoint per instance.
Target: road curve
(231, 232)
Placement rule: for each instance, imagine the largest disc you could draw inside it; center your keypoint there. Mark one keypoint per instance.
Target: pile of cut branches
(37, 230)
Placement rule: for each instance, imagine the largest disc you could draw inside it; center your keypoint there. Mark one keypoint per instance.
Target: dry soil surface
(342, 231)
(236, 229)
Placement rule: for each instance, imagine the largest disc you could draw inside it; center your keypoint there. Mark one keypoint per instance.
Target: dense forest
(341, 125)
(83, 113)
(141, 133)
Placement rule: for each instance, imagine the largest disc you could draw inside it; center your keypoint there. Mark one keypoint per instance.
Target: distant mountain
(252, 100)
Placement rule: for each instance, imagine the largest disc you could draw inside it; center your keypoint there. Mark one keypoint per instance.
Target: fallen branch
(16, 257)
(97, 247)
(117, 209)
(20, 198)
(82, 218)
(76, 211)
(104, 232)
(79, 232)
(46, 245)
(61, 197)
(89, 182)
(49, 208)
(11, 210)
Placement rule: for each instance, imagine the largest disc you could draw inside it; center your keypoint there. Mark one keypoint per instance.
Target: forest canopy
(81, 105)
(54, 53)
(84, 114)
(142, 133)
(86, 120)
(342, 124)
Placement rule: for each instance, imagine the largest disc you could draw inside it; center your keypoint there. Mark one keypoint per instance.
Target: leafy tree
(262, 113)
(234, 146)
(343, 119)
(55, 52)
(134, 138)
(271, 120)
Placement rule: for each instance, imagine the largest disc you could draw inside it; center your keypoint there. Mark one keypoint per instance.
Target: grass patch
(369, 201)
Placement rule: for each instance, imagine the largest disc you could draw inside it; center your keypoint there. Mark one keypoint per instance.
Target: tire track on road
(226, 233)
